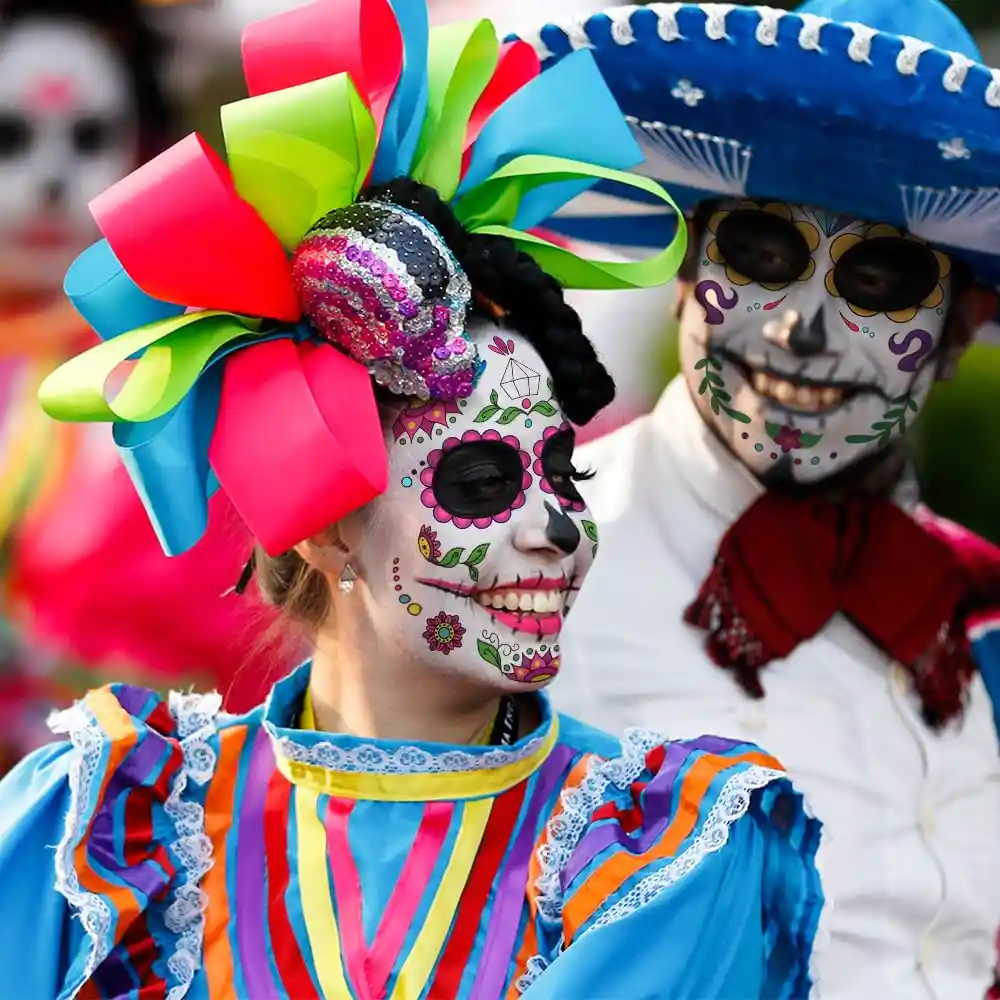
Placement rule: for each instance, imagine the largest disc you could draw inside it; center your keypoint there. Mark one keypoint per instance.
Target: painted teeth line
(539, 602)
(803, 397)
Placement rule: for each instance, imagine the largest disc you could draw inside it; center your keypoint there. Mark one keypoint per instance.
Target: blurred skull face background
(68, 130)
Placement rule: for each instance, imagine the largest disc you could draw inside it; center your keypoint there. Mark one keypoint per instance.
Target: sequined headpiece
(226, 284)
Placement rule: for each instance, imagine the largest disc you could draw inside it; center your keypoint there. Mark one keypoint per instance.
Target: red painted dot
(745, 436)
(798, 461)
(774, 455)
(398, 588)
(526, 403)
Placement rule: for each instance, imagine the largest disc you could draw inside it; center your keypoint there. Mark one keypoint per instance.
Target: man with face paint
(391, 412)
(82, 102)
(839, 163)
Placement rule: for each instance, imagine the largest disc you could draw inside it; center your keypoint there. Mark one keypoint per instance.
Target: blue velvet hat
(879, 109)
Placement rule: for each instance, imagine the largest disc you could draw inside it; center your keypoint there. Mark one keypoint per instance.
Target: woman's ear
(325, 552)
(975, 307)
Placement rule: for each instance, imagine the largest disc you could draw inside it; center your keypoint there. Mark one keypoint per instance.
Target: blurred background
(87, 92)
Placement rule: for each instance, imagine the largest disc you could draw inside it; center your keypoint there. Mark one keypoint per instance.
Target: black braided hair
(532, 299)
(142, 49)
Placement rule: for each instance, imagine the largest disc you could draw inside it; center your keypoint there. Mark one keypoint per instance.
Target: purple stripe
(251, 874)
(132, 699)
(132, 776)
(505, 920)
(113, 979)
(657, 806)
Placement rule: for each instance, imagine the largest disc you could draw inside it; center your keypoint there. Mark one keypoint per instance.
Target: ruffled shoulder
(701, 819)
(134, 849)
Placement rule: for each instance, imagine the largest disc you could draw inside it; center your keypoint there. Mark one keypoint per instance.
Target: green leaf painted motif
(510, 415)
(495, 399)
(473, 573)
(488, 653)
(478, 554)
(545, 408)
(860, 438)
(703, 388)
(810, 440)
(736, 415)
(451, 558)
(698, 365)
(714, 379)
(590, 530)
(486, 413)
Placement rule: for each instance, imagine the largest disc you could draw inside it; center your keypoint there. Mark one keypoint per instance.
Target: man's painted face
(811, 339)
(68, 131)
(475, 552)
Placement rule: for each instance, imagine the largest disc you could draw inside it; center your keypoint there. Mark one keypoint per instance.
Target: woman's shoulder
(123, 800)
(645, 818)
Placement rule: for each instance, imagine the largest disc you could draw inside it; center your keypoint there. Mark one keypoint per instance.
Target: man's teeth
(800, 396)
(539, 602)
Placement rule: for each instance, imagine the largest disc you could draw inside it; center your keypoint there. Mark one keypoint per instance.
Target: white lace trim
(94, 913)
(185, 916)
(958, 217)
(563, 832)
(576, 30)
(368, 758)
(195, 717)
(731, 805)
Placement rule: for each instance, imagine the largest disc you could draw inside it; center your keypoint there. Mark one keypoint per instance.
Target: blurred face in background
(68, 130)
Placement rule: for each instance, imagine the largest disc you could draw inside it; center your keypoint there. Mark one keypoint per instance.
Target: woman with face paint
(382, 375)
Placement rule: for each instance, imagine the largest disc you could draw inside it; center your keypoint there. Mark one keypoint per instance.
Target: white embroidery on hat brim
(966, 218)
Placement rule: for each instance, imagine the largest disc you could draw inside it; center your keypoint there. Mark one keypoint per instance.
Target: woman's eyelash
(580, 477)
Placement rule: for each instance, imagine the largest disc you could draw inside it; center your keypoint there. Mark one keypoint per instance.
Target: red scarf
(787, 566)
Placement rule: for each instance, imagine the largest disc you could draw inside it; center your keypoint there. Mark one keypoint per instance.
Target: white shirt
(911, 853)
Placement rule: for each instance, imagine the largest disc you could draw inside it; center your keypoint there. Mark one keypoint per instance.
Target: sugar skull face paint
(68, 130)
(811, 340)
(474, 554)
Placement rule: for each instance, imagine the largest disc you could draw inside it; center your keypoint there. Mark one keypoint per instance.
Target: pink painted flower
(444, 633)
(536, 667)
(574, 505)
(423, 418)
(442, 516)
(427, 542)
(502, 347)
(789, 438)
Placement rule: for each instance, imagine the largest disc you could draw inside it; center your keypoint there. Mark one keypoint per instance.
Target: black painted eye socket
(887, 274)
(557, 464)
(93, 135)
(762, 246)
(478, 479)
(16, 135)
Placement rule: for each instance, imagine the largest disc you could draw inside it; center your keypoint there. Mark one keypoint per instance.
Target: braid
(532, 299)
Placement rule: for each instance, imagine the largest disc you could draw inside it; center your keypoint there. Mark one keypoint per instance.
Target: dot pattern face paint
(504, 576)
(811, 339)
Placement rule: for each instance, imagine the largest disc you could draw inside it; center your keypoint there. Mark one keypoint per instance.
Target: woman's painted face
(474, 554)
(811, 340)
(68, 131)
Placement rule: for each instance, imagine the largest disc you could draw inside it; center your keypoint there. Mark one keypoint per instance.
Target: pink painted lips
(535, 607)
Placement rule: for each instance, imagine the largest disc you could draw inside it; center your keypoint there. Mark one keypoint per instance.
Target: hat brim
(772, 105)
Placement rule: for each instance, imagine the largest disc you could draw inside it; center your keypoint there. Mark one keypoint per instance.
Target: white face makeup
(811, 340)
(68, 131)
(475, 552)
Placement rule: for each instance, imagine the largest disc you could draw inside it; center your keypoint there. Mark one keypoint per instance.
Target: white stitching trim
(766, 33)
(968, 218)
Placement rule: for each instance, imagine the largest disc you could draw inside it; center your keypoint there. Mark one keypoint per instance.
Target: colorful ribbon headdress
(216, 291)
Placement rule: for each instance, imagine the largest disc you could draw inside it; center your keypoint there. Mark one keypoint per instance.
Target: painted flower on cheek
(536, 667)
(443, 516)
(444, 633)
(423, 418)
(574, 505)
(427, 542)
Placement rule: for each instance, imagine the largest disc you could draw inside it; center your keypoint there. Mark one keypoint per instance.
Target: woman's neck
(383, 701)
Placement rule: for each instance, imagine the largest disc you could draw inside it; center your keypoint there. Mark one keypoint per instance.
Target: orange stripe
(120, 730)
(613, 873)
(218, 952)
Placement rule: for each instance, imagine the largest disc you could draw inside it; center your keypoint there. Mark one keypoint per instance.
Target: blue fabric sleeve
(38, 935)
(739, 926)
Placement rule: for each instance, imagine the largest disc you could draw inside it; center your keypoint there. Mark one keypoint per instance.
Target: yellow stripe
(317, 904)
(420, 963)
(447, 787)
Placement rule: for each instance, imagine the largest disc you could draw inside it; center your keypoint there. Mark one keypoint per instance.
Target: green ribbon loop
(173, 353)
(491, 207)
(460, 64)
(297, 154)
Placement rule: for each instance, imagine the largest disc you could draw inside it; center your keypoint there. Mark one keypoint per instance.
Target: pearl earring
(347, 579)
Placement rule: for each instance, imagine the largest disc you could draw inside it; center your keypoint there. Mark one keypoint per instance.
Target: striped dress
(168, 850)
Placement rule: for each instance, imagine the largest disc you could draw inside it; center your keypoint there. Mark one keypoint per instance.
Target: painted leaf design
(724, 396)
(510, 415)
(894, 414)
(489, 653)
(590, 529)
(912, 403)
(545, 408)
(859, 438)
(550, 385)
(810, 440)
(703, 388)
(473, 574)
(478, 554)
(486, 413)
(698, 365)
(451, 558)
(736, 415)
(882, 425)
(713, 378)
(495, 399)
(716, 405)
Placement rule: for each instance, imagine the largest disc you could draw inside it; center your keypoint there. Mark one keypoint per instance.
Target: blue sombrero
(879, 109)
